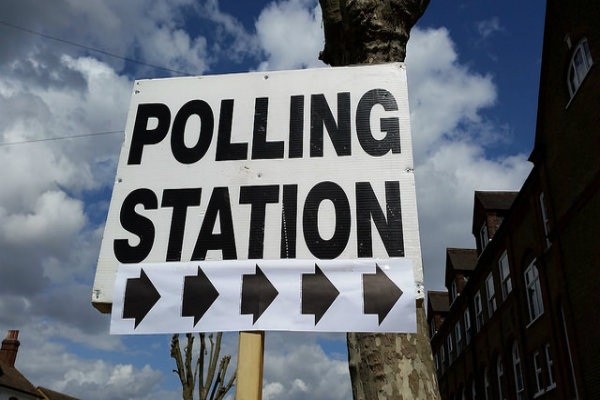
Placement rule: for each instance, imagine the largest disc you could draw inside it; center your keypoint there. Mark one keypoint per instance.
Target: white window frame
(537, 368)
(450, 344)
(432, 327)
(533, 289)
(484, 236)
(518, 373)
(490, 292)
(443, 358)
(550, 367)
(453, 290)
(436, 362)
(499, 375)
(486, 384)
(545, 219)
(583, 58)
(478, 307)
(504, 274)
(458, 336)
(467, 319)
(473, 390)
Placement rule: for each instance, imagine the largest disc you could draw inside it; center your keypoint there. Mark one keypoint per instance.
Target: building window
(545, 219)
(483, 236)
(478, 310)
(454, 291)
(458, 336)
(504, 272)
(490, 292)
(432, 326)
(538, 373)
(443, 358)
(534, 292)
(500, 375)
(518, 370)
(486, 384)
(450, 349)
(580, 64)
(467, 318)
(550, 365)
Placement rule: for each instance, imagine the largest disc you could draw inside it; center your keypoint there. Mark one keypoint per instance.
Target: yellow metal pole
(250, 366)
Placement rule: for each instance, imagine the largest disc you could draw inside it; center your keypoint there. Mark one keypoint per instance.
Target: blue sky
(473, 71)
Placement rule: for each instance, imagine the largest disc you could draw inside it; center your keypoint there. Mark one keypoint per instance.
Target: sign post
(250, 366)
(265, 201)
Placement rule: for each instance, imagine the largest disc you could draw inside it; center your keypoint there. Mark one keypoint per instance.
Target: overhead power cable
(106, 53)
(59, 138)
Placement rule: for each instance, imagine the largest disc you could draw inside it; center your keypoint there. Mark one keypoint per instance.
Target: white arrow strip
(345, 314)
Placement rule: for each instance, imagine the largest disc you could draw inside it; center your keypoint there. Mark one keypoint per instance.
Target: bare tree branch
(189, 376)
(183, 368)
(201, 385)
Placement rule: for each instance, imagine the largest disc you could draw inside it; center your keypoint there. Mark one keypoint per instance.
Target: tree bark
(368, 31)
(392, 366)
(382, 366)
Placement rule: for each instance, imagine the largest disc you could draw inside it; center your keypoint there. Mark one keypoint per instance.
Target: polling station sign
(292, 165)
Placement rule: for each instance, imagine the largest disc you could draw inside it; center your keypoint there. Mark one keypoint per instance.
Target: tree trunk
(392, 366)
(382, 366)
(368, 31)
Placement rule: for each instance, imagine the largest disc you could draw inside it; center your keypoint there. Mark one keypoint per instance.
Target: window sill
(538, 394)
(534, 320)
(547, 249)
(551, 387)
(579, 87)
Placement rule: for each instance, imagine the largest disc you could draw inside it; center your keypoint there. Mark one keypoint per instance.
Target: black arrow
(198, 295)
(318, 293)
(380, 293)
(140, 297)
(257, 294)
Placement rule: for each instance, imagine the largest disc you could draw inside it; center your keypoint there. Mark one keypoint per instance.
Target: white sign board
(292, 165)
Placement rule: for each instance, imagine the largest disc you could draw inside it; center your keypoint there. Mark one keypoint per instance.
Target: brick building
(519, 321)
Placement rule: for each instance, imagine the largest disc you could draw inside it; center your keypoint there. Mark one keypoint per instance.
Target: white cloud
(137, 29)
(97, 379)
(452, 139)
(296, 365)
(174, 49)
(488, 27)
(445, 183)
(290, 34)
(51, 364)
(273, 390)
(232, 40)
(40, 113)
(444, 94)
(54, 220)
(45, 232)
